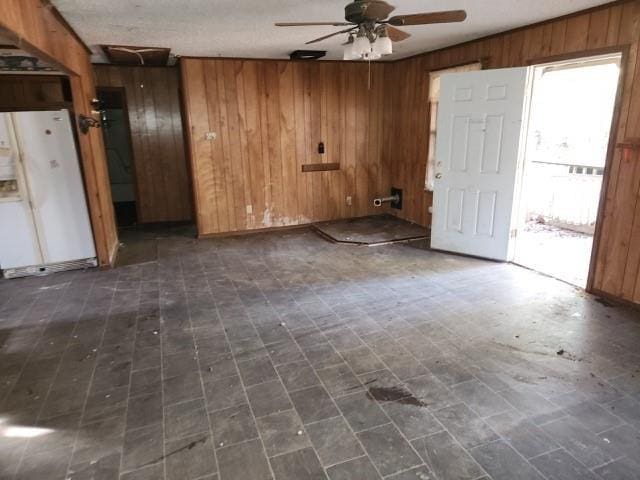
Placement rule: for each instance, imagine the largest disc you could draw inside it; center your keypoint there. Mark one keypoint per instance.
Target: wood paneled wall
(617, 25)
(35, 27)
(153, 100)
(24, 92)
(269, 117)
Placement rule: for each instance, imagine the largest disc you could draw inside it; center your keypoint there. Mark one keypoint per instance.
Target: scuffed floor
(285, 356)
(372, 230)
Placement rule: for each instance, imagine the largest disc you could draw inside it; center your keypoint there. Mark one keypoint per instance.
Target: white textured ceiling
(244, 28)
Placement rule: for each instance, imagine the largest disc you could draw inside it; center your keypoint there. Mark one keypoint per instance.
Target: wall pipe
(392, 199)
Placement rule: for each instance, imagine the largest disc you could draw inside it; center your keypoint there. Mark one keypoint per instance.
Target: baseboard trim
(242, 233)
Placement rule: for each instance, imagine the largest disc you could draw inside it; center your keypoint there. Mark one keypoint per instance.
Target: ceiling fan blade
(378, 9)
(397, 35)
(331, 35)
(450, 16)
(313, 24)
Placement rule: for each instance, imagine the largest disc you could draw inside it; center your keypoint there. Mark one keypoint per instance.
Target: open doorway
(117, 142)
(552, 121)
(567, 140)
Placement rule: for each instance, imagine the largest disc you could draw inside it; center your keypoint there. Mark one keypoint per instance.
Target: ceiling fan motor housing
(359, 12)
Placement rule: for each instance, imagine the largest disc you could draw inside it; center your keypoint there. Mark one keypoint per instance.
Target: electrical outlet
(349, 200)
(210, 136)
(249, 209)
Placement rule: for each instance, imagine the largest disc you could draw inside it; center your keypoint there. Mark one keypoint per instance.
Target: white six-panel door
(480, 118)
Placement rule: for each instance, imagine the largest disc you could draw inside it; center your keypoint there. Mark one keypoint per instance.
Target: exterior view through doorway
(571, 110)
(520, 161)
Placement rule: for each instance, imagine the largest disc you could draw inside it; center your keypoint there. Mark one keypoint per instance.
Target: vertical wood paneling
(269, 117)
(153, 100)
(299, 81)
(598, 29)
(630, 282)
(207, 74)
(617, 269)
(201, 150)
(577, 33)
(20, 92)
(617, 273)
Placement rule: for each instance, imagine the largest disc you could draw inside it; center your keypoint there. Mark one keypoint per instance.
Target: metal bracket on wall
(85, 123)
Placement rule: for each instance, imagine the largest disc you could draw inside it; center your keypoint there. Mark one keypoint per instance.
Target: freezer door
(18, 240)
(55, 184)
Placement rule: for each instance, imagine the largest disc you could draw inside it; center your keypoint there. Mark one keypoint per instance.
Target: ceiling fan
(371, 32)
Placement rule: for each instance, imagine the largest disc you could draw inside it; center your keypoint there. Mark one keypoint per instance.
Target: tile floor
(283, 356)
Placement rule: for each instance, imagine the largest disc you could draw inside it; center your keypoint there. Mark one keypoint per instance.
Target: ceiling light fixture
(383, 44)
(349, 53)
(369, 44)
(376, 30)
(362, 44)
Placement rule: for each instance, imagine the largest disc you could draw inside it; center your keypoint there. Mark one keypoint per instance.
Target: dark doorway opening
(117, 142)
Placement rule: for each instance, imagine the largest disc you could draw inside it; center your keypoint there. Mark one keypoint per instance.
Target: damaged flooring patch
(371, 231)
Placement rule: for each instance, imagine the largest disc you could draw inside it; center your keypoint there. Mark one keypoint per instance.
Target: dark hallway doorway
(117, 140)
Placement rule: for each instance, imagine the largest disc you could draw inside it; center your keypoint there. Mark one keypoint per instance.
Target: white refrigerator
(44, 220)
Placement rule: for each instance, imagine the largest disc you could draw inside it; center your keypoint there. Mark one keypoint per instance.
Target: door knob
(438, 176)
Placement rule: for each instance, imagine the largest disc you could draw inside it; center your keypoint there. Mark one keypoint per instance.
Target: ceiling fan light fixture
(349, 53)
(383, 46)
(376, 31)
(361, 45)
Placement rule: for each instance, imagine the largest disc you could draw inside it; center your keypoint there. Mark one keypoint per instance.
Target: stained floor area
(372, 230)
(283, 356)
